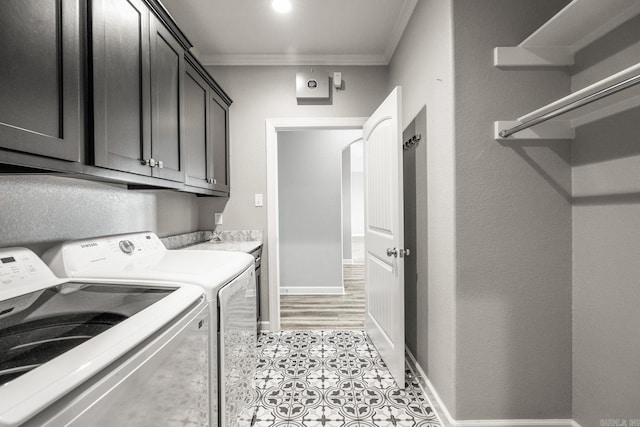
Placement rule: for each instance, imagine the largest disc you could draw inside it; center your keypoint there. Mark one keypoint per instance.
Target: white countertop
(230, 245)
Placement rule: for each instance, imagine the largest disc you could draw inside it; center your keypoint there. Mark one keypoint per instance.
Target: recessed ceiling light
(281, 6)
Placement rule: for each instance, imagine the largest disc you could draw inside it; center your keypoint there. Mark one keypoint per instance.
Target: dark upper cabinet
(121, 85)
(206, 130)
(219, 134)
(199, 164)
(106, 89)
(167, 76)
(137, 91)
(41, 110)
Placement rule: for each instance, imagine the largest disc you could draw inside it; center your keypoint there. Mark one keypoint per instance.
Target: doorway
(320, 287)
(277, 247)
(384, 225)
(353, 203)
(416, 294)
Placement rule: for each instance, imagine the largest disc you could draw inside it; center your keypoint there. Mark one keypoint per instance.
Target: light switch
(217, 218)
(259, 200)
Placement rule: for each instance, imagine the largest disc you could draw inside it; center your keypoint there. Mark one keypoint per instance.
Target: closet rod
(632, 81)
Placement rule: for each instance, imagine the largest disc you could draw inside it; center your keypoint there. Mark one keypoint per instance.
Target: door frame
(272, 127)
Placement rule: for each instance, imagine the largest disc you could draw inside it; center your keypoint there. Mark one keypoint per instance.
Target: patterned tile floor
(330, 378)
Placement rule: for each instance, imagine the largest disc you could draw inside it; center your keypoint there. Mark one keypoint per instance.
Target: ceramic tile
(330, 379)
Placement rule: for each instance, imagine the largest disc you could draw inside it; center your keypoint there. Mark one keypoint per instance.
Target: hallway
(299, 312)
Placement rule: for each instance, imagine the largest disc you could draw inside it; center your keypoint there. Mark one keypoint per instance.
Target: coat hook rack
(413, 141)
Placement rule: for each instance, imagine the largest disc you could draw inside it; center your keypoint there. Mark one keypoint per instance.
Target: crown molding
(398, 29)
(293, 59)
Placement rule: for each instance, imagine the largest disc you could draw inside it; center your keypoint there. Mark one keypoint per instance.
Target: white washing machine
(98, 353)
(228, 279)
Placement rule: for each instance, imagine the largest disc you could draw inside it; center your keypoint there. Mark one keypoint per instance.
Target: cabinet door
(122, 128)
(167, 69)
(198, 167)
(40, 86)
(218, 128)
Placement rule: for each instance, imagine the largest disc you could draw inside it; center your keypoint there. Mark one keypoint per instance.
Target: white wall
(606, 244)
(269, 92)
(39, 211)
(346, 203)
(310, 209)
(357, 189)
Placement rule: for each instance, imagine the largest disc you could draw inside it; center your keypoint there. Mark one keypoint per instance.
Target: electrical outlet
(259, 200)
(217, 218)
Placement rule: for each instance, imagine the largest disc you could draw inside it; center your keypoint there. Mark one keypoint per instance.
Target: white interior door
(384, 233)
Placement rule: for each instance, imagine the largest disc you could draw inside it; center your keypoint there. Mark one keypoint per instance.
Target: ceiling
(315, 32)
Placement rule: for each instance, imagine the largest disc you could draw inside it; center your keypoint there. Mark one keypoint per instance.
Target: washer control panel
(73, 258)
(19, 267)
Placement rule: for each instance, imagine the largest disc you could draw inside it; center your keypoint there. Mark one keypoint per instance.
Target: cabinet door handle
(149, 162)
(160, 164)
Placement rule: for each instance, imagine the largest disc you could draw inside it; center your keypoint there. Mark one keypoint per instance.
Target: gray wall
(269, 92)
(513, 226)
(494, 312)
(310, 207)
(39, 211)
(410, 241)
(423, 66)
(606, 244)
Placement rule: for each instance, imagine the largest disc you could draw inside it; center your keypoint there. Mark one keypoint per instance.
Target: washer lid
(41, 325)
(23, 397)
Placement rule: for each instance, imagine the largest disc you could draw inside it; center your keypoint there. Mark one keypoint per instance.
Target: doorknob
(392, 252)
(404, 252)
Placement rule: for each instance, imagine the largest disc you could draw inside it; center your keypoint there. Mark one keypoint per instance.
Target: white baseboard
(264, 326)
(517, 423)
(441, 407)
(424, 381)
(312, 290)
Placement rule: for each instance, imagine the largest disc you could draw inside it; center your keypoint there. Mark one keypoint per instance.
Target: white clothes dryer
(95, 352)
(228, 279)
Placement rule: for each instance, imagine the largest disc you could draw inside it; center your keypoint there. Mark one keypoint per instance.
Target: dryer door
(237, 340)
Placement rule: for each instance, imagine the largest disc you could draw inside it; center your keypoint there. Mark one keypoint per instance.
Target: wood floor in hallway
(327, 311)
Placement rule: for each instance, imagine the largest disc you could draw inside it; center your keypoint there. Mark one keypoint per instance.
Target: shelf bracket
(552, 129)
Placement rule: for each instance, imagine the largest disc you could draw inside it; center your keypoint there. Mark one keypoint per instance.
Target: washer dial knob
(127, 246)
